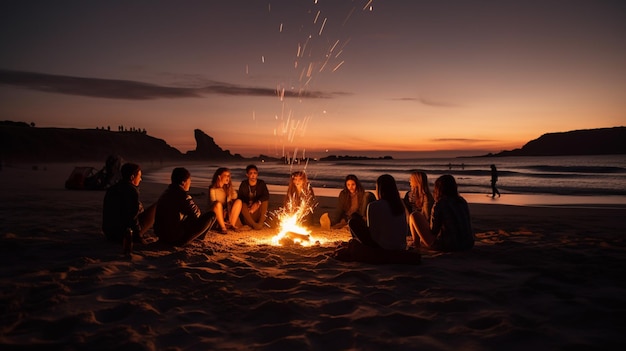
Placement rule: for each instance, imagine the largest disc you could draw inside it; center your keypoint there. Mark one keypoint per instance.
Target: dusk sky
(328, 76)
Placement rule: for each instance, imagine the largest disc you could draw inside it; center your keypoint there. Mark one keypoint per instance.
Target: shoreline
(517, 199)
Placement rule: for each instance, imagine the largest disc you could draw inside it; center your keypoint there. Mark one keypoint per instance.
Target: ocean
(587, 176)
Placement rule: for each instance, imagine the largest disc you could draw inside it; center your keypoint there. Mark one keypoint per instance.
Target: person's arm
(436, 219)
(368, 197)
(190, 208)
(339, 213)
(427, 203)
(263, 194)
(406, 201)
(242, 193)
(131, 210)
(212, 196)
(231, 195)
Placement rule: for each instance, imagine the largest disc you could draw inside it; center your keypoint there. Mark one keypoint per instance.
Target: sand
(545, 278)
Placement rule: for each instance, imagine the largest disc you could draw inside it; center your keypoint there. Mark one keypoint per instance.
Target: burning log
(291, 238)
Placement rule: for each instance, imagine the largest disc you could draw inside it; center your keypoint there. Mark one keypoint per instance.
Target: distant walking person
(494, 180)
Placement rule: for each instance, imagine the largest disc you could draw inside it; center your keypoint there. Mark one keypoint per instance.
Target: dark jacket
(248, 197)
(451, 225)
(174, 207)
(343, 206)
(120, 210)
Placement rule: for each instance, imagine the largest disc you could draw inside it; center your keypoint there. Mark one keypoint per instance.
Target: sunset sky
(321, 77)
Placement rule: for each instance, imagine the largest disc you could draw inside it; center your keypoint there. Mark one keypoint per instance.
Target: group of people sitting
(438, 221)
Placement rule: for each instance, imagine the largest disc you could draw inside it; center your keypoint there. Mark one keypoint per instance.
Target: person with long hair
(385, 225)
(223, 201)
(419, 197)
(300, 197)
(450, 227)
(352, 199)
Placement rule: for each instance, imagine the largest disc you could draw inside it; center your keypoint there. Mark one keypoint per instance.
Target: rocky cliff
(602, 141)
(20, 142)
(207, 149)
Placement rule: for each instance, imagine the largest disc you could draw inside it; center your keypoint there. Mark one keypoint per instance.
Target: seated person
(419, 197)
(300, 197)
(178, 220)
(122, 211)
(224, 202)
(352, 199)
(386, 224)
(254, 198)
(450, 228)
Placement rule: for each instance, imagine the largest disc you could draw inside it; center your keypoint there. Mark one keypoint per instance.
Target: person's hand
(255, 206)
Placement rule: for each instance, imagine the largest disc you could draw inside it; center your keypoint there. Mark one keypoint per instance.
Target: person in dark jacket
(352, 199)
(122, 211)
(178, 219)
(450, 226)
(255, 198)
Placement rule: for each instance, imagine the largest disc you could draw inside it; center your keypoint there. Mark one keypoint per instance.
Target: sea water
(589, 176)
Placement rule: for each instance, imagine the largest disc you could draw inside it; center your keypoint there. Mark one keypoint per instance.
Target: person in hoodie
(178, 220)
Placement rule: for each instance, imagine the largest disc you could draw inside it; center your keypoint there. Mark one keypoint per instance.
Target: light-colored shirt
(219, 195)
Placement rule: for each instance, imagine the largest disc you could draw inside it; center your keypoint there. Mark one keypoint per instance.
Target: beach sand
(544, 278)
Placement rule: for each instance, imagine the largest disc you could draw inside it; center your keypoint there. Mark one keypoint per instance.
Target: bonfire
(292, 232)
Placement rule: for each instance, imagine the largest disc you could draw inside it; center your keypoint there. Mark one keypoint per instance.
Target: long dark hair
(359, 187)
(360, 191)
(388, 191)
(445, 186)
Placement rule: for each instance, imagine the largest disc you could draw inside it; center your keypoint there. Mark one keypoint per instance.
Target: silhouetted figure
(450, 227)
(385, 223)
(494, 180)
(122, 211)
(178, 220)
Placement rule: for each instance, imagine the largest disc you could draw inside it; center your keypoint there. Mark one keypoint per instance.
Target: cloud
(429, 102)
(459, 140)
(133, 90)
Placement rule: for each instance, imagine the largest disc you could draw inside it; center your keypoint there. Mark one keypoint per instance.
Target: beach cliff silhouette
(601, 141)
(22, 142)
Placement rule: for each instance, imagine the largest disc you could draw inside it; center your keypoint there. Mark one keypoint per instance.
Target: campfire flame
(292, 232)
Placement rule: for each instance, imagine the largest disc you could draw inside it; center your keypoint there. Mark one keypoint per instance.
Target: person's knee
(217, 207)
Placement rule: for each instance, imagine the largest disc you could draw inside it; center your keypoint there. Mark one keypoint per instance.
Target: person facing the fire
(300, 198)
(352, 199)
(223, 201)
(254, 197)
(386, 223)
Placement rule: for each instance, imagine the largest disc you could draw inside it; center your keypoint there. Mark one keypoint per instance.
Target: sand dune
(539, 277)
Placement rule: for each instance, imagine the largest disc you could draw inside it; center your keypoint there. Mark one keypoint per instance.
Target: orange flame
(292, 232)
